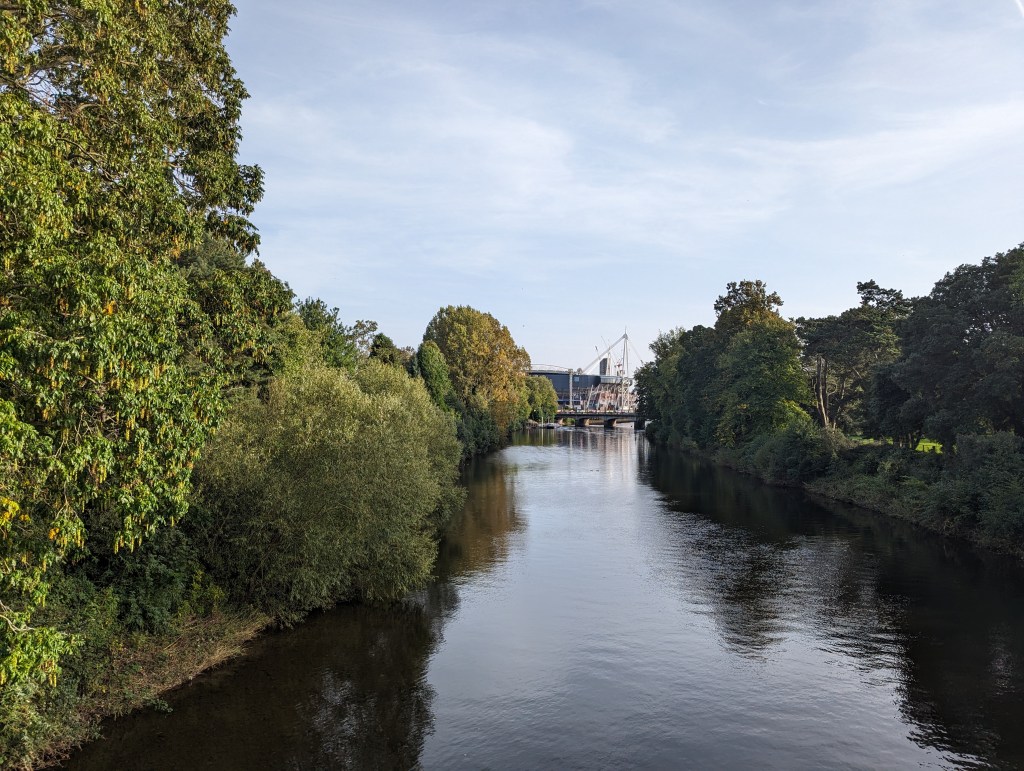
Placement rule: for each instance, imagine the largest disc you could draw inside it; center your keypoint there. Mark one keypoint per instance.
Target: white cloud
(466, 148)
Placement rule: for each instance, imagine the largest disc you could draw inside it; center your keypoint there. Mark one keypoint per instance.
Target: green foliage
(541, 399)
(800, 452)
(846, 351)
(983, 486)
(434, 370)
(656, 379)
(962, 367)
(760, 384)
(341, 345)
(384, 350)
(330, 489)
(743, 304)
(242, 309)
(727, 385)
(950, 365)
(151, 584)
(118, 135)
(487, 371)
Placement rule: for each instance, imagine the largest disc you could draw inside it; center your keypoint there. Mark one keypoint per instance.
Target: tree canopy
(486, 367)
(118, 137)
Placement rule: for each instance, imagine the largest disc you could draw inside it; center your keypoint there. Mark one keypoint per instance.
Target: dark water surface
(602, 604)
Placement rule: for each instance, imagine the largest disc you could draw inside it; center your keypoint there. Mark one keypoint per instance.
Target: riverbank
(942, 495)
(137, 671)
(599, 602)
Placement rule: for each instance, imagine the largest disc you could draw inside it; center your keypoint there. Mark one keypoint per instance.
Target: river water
(602, 603)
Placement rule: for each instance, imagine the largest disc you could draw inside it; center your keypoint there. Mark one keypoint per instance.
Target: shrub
(983, 486)
(332, 488)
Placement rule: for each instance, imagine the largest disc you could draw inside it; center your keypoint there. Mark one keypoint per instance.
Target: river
(602, 603)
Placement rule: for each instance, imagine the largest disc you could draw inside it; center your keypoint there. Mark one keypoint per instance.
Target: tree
(844, 352)
(333, 487)
(760, 384)
(434, 370)
(342, 346)
(962, 362)
(541, 398)
(384, 350)
(744, 303)
(656, 381)
(487, 368)
(242, 309)
(118, 136)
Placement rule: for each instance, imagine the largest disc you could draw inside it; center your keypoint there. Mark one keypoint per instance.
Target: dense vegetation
(186, 453)
(473, 367)
(841, 404)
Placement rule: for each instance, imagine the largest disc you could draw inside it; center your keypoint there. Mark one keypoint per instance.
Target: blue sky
(580, 168)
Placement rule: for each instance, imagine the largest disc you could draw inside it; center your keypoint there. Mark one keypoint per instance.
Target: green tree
(118, 136)
(657, 382)
(760, 383)
(434, 370)
(242, 309)
(541, 399)
(962, 363)
(332, 488)
(341, 345)
(844, 351)
(487, 368)
(383, 349)
(745, 303)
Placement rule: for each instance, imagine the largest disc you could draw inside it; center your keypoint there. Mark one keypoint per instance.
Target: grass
(144, 667)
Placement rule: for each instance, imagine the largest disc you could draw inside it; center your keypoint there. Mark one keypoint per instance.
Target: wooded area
(842, 404)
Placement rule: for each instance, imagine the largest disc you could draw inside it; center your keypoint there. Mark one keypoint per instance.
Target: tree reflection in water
(771, 564)
(345, 689)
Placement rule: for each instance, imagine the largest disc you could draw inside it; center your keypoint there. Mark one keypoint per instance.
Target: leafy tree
(384, 350)
(487, 368)
(242, 309)
(118, 135)
(745, 303)
(844, 352)
(541, 399)
(893, 411)
(760, 384)
(341, 345)
(332, 488)
(654, 379)
(434, 370)
(963, 351)
(693, 414)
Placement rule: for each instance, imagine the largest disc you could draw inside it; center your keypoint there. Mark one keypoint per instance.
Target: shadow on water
(344, 689)
(946, 619)
(790, 590)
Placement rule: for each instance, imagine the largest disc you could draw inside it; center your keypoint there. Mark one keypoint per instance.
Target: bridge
(608, 418)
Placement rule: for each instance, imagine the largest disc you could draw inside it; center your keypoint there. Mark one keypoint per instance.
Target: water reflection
(944, 623)
(345, 689)
(603, 603)
(481, 536)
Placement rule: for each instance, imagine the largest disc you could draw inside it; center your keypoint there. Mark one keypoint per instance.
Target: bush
(983, 486)
(798, 453)
(332, 488)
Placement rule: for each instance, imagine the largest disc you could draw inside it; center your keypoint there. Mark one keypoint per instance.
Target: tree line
(913, 406)
(187, 451)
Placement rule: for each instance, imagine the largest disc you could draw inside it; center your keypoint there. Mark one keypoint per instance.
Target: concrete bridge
(608, 418)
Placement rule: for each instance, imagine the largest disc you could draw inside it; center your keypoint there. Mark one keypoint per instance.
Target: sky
(581, 168)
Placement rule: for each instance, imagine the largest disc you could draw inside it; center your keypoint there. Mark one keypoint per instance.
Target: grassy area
(141, 669)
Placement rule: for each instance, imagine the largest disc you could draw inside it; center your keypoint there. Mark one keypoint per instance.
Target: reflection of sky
(604, 605)
(733, 638)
